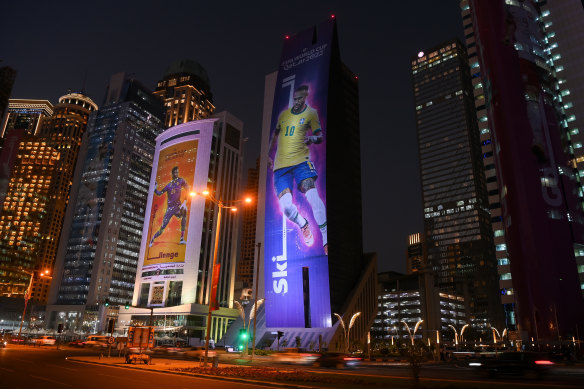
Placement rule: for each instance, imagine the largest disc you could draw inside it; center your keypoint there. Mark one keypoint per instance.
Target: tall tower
(38, 192)
(25, 114)
(186, 91)
(416, 255)
(245, 267)
(98, 251)
(456, 217)
(531, 128)
(177, 249)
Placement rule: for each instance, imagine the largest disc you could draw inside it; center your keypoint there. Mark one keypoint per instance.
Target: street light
(456, 333)
(415, 329)
(347, 331)
(28, 293)
(220, 205)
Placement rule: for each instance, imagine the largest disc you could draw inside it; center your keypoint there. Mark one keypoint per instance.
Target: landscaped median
(287, 377)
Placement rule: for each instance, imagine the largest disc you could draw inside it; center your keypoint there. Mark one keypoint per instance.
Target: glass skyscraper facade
(456, 213)
(98, 252)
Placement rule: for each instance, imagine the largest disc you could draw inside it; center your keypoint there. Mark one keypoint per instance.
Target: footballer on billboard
(296, 244)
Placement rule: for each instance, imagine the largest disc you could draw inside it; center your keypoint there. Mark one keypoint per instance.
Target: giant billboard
(296, 245)
(168, 222)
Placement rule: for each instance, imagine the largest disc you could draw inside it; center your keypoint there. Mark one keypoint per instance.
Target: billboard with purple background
(296, 246)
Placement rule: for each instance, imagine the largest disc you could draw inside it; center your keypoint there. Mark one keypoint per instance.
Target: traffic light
(242, 337)
(280, 334)
(127, 306)
(106, 302)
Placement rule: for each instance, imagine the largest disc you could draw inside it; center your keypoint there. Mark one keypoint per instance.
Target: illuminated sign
(296, 245)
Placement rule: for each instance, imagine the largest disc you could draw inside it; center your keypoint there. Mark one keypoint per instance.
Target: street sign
(110, 340)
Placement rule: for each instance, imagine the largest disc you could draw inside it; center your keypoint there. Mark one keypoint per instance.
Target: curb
(221, 378)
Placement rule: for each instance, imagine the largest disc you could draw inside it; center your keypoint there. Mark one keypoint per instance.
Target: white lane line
(7, 369)
(48, 380)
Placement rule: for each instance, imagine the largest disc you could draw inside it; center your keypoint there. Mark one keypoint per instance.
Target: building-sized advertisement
(296, 245)
(171, 201)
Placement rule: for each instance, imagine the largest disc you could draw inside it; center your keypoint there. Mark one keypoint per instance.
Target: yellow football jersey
(293, 130)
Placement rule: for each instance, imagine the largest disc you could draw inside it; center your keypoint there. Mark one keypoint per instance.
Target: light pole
(415, 329)
(255, 304)
(220, 205)
(28, 293)
(455, 335)
(346, 330)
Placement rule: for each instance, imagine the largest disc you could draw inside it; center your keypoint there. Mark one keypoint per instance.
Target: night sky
(55, 46)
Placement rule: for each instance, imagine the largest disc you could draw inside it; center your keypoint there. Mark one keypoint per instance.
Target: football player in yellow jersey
(292, 163)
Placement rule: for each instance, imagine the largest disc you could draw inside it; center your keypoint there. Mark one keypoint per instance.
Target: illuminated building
(412, 298)
(311, 263)
(245, 266)
(25, 114)
(455, 201)
(38, 190)
(531, 131)
(174, 267)
(416, 256)
(186, 92)
(100, 241)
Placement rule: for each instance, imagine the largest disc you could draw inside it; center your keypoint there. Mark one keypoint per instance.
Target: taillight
(543, 362)
(351, 359)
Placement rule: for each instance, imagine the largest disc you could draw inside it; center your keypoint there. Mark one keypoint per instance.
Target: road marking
(48, 380)
(7, 369)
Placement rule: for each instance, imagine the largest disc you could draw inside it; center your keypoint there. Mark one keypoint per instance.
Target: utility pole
(255, 304)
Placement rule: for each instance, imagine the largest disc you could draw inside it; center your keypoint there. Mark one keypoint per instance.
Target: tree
(298, 341)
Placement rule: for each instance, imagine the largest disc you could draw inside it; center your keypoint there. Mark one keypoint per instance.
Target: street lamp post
(255, 304)
(28, 293)
(456, 333)
(415, 329)
(220, 205)
(346, 330)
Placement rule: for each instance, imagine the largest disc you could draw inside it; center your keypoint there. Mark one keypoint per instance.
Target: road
(47, 368)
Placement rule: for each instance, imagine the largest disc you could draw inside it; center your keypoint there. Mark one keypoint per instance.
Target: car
(3, 342)
(197, 353)
(293, 355)
(338, 360)
(46, 340)
(522, 363)
(96, 341)
(77, 343)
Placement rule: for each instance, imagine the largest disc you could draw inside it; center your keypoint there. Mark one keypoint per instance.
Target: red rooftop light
(287, 36)
(332, 16)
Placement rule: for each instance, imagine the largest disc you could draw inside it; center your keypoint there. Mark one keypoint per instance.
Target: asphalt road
(47, 368)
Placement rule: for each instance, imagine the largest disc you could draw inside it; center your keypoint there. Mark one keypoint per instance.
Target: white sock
(290, 210)
(319, 212)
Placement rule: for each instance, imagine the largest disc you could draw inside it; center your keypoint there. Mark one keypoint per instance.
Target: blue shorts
(284, 178)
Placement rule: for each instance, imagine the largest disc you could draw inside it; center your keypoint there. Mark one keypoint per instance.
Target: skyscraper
(38, 192)
(416, 255)
(186, 91)
(25, 114)
(176, 254)
(310, 223)
(245, 267)
(456, 216)
(505, 281)
(98, 250)
(539, 190)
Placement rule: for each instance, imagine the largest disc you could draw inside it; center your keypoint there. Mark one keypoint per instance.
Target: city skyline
(237, 63)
